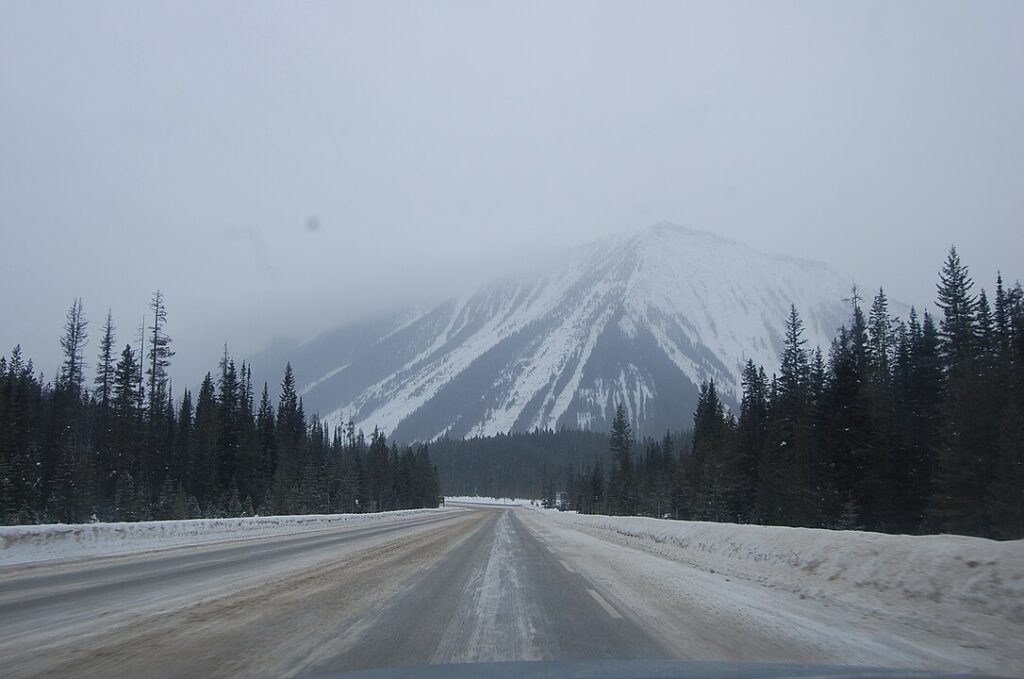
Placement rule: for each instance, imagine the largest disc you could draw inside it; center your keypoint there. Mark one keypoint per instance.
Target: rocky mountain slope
(640, 319)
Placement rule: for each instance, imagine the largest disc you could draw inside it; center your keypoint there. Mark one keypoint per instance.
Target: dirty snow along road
(477, 584)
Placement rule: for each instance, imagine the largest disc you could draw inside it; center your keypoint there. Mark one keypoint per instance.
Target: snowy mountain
(642, 319)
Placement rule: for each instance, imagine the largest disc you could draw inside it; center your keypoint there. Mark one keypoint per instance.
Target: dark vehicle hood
(630, 669)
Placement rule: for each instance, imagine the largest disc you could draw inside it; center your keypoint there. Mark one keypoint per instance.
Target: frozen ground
(24, 544)
(803, 595)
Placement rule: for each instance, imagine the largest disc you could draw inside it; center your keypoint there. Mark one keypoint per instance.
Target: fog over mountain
(277, 169)
(642, 319)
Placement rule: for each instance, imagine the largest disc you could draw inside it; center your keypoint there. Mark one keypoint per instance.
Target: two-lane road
(460, 586)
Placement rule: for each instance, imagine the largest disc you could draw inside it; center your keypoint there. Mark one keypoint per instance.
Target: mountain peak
(671, 228)
(639, 319)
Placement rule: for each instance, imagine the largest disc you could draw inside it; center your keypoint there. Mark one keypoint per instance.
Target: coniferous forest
(121, 447)
(909, 425)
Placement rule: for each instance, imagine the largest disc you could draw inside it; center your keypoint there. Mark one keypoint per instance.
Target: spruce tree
(104, 382)
(73, 345)
(124, 432)
(956, 328)
(752, 432)
(205, 445)
(792, 445)
(267, 446)
(159, 357)
(621, 484)
(881, 343)
(966, 460)
(230, 412)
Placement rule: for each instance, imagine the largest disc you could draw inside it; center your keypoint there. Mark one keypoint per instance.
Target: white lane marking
(567, 566)
(605, 605)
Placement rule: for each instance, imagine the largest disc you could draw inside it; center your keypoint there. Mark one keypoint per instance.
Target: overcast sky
(276, 168)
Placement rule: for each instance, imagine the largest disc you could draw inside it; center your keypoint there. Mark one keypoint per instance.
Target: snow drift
(478, 500)
(952, 576)
(22, 544)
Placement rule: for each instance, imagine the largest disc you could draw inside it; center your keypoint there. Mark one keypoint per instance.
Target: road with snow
(472, 584)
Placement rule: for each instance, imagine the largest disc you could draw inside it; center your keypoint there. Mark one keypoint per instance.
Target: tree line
(516, 464)
(907, 426)
(124, 449)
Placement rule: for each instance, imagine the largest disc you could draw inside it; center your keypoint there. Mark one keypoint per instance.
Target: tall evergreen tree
(956, 327)
(265, 431)
(104, 382)
(73, 345)
(966, 460)
(230, 411)
(205, 446)
(125, 429)
(752, 432)
(792, 445)
(159, 357)
(621, 490)
(715, 475)
(881, 342)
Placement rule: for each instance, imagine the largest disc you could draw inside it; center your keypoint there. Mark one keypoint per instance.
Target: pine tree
(1005, 500)
(123, 440)
(104, 381)
(885, 464)
(249, 473)
(73, 344)
(958, 305)
(205, 445)
(183, 440)
(167, 505)
(791, 450)
(265, 432)
(663, 481)
(881, 343)
(140, 390)
(794, 370)
(159, 357)
(126, 505)
(966, 450)
(230, 430)
(715, 473)
(377, 478)
(290, 430)
(1002, 319)
(598, 498)
(752, 431)
(923, 403)
(621, 492)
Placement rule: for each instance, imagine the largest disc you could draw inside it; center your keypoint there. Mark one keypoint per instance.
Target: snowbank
(474, 500)
(21, 544)
(922, 576)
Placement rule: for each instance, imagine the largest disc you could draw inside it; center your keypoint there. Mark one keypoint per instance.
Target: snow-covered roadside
(791, 594)
(24, 544)
(475, 500)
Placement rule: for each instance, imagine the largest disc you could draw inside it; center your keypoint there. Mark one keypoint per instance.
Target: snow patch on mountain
(640, 318)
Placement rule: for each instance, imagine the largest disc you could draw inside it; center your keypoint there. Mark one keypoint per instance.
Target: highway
(473, 583)
(462, 586)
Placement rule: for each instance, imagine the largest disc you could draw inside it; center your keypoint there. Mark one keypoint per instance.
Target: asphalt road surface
(464, 586)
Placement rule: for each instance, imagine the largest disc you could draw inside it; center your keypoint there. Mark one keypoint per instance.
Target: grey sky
(278, 167)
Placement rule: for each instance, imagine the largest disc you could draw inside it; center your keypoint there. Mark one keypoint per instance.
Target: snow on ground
(476, 500)
(22, 544)
(794, 594)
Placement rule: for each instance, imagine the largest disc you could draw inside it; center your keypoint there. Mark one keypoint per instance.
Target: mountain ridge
(640, 318)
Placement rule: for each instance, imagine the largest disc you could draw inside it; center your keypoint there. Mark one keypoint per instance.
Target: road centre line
(605, 605)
